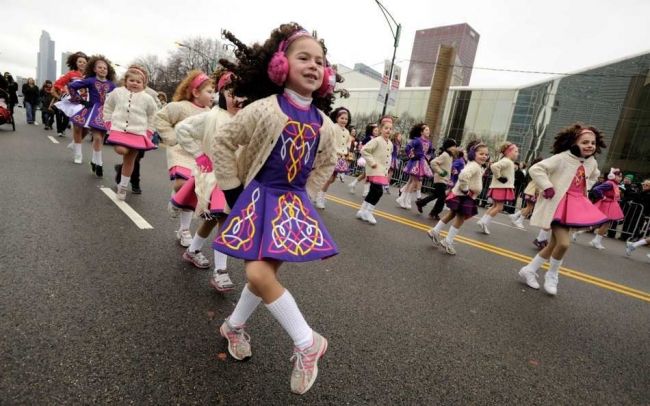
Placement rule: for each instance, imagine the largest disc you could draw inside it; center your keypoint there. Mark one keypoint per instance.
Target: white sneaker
(120, 193)
(513, 218)
(400, 201)
(184, 237)
(529, 277)
(320, 201)
(520, 224)
(197, 258)
(448, 246)
(366, 215)
(70, 145)
(221, 282)
(550, 283)
(78, 159)
(407, 200)
(351, 187)
(597, 245)
(483, 227)
(629, 248)
(435, 237)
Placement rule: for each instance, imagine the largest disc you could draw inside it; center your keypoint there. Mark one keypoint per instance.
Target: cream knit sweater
(503, 167)
(439, 164)
(130, 112)
(558, 172)
(165, 121)
(257, 128)
(195, 135)
(342, 140)
(378, 151)
(470, 178)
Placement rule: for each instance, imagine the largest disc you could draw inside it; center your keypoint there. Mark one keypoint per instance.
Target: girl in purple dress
(273, 156)
(564, 204)
(419, 151)
(98, 80)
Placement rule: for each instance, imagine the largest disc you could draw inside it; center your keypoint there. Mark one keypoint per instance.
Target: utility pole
(396, 34)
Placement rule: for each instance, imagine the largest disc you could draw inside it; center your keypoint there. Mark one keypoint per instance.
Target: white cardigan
(470, 178)
(503, 167)
(130, 112)
(378, 151)
(195, 135)
(558, 172)
(441, 163)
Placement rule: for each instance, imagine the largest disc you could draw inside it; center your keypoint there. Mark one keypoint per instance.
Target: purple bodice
(295, 150)
(97, 89)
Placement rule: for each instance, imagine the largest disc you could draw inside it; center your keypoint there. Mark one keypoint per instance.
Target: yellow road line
(571, 273)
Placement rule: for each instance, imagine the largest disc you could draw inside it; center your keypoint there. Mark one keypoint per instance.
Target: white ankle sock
(197, 243)
(220, 261)
(543, 235)
(92, 159)
(536, 263)
(555, 265)
(124, 181)
(451, 234)
(246, 305)
(639, 243)
(77, 149)
(98, 158)
(353, 183)
(186, 219)
(286, 311)
(486, 219)
(598, 238)
(517, 214)
(439, 226)
(364, 206)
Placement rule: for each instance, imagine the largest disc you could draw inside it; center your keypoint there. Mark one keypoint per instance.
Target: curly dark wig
(416, 130)
(72, 59)
(252, 79)
(90, 67)
(568, 136)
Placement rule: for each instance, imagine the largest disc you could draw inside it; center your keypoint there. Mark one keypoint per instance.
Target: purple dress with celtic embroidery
(273, 217)
(93, 116)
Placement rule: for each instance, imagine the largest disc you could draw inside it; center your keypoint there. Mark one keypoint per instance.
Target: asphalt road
(95, 310)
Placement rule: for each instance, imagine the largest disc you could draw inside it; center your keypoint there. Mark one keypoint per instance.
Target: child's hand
(443, 173)
(549, 193)
(502, 179)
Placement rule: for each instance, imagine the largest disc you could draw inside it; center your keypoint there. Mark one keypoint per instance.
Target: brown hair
(184, 91)
(94, 60)
(568, 136)
(72, 59)
(137, 70)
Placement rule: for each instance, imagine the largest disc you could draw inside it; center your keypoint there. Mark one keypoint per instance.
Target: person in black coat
(30, 100)
(12, 89)
(47, 114)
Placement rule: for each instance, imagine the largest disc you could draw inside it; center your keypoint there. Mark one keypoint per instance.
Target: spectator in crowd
(47, 113)
(630, 196)
(12, 89)
(30, 101)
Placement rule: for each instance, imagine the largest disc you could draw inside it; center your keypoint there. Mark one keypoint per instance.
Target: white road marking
(128, 210)
(54, 141)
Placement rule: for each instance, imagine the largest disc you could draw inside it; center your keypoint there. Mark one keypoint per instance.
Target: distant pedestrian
(563, 181)
(461, 201)
(47, 103)
(12, 90)
(30, 100)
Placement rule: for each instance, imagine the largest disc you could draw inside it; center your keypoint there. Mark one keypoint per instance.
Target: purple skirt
(90, 118)
(419, 168)
(462, 205)
(274, 223)
(341, 166)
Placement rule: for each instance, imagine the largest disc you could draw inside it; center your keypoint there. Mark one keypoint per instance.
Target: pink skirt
(575, 210)
(501, 195)
(611, 209)
(179, 172)
(379, 180)
(132, 141)
(186, 198)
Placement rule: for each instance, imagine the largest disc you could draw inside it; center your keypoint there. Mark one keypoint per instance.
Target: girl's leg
(97, 161)
(529, 272)
(487, 217)
(597, 241)
(368, 205)
(631, 246)
(220, 279)
(439, 193)
(128, 158)
(193, 253)
(562, 241)
(320, 198)
(77, 135)
(448, 242)
(434, 233)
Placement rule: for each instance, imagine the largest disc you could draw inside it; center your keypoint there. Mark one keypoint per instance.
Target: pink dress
(609, 204)
(575, 210)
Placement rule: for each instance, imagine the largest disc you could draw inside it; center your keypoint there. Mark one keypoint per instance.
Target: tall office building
(64, 60)
(46, 64)
(425, 52)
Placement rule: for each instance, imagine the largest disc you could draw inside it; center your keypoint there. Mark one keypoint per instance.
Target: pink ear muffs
(329, 82)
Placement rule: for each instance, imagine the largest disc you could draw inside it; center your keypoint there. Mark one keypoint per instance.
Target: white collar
(300, 101)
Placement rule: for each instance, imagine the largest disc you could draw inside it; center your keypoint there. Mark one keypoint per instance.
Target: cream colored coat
(343, 140)
(470, 178)
(257, 129)
(194, 135)
(439, 164)
(165, 121)
(503, 167)
(558, 172)
(130, 112)
(378, 151)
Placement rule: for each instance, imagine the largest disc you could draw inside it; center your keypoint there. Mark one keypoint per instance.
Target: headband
(384, 119)
(584, 131)
(139, 70)
(509, 148)
(298, 34)
(198, 81)
(224, 81)
(343, 110)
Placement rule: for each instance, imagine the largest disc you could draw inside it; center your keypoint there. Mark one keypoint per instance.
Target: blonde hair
(136, 70)
(184, 89)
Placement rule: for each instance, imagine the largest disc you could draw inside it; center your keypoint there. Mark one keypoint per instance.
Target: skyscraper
(425, 51)
(64, 60)
(46, 64)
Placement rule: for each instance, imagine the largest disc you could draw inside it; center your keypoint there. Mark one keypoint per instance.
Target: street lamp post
(396, 34)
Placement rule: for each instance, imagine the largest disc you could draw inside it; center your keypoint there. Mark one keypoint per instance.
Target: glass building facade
(615, 97)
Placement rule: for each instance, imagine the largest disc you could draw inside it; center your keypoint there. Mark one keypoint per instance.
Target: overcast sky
(537, 35)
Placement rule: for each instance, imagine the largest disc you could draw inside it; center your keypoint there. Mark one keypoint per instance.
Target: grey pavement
(96, 310)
